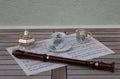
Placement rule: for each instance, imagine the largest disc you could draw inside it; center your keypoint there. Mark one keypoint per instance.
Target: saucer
(52, 48)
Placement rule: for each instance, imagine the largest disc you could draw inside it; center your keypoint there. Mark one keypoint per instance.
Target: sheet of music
(92, 49)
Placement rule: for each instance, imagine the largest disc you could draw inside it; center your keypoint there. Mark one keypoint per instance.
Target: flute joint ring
(47, 57)
(96, 64)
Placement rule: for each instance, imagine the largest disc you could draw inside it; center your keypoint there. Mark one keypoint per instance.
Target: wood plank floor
(10, 70)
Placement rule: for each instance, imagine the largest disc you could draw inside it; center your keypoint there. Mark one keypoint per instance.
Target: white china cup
(58, 40)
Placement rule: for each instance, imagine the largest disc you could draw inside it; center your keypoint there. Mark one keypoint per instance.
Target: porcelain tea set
(58, 42)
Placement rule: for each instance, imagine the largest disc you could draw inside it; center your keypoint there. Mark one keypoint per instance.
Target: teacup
(83, 36)
(58, 40)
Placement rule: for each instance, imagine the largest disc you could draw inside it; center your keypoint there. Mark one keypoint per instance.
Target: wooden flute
(44, 57)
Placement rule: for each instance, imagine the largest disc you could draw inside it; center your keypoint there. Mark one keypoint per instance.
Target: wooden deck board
(10, 70)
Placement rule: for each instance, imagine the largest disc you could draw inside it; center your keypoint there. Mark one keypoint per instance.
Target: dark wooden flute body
(45, 57)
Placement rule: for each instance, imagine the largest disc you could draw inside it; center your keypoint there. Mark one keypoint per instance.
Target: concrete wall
(59, 12)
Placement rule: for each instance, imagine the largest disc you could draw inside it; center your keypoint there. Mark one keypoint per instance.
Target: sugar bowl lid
(26, 37)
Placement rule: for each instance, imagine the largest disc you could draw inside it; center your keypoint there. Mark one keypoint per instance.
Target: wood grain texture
(10, 70)
(59, 73)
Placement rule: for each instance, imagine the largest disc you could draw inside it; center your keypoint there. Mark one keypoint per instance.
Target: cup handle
(90, 34)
